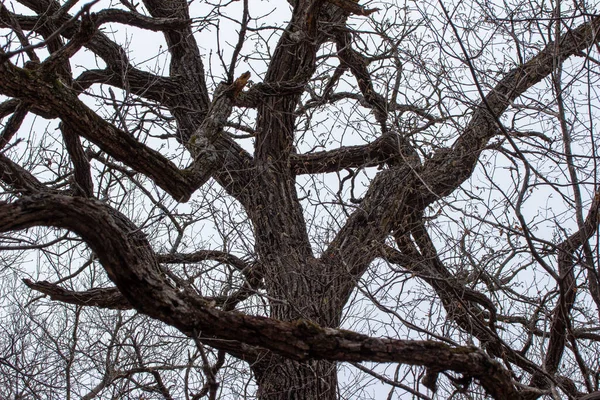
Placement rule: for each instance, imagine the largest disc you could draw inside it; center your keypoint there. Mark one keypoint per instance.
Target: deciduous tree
(295, 191)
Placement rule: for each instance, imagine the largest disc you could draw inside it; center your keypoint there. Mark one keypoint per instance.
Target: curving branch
(186, 64)
(140, 21)
(141, 83)
(357, 64)
(406, 190)
(130, 263)
(459, 161)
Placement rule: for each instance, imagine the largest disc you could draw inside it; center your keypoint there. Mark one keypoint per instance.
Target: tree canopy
(316, 199)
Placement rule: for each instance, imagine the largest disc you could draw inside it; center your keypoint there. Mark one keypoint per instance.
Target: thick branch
(130, 263)
(396, 194)
(448, 169)
(202, 144)
(110, 298)
(186, 63)
(141, 83)
(18, 177)
(139, 20)
(82, 176)
(382, 150)
(204, 255)
(13, 124)
(358, 66)
(62, 102)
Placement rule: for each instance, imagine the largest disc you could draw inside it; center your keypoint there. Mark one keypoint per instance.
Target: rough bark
(295, 350)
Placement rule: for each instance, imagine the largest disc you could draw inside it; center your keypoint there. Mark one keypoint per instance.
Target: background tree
(422, 175)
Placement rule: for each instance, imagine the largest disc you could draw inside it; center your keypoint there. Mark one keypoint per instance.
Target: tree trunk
(280, 379)
(303, 290)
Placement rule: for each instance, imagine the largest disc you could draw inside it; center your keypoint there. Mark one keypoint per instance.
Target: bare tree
(290, 200)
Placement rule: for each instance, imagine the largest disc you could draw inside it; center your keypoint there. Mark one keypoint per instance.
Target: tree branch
(140, 21)
(459, 162)
(405, 190)
(110, 298)
(561, 319)
(130, 263)
(62, 102)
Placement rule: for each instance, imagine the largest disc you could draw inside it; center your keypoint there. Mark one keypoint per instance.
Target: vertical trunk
(298, 285)
(280, 379)
(300, 288)
(305, 292)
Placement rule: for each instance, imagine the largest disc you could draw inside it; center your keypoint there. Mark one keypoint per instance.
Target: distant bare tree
(394, 192)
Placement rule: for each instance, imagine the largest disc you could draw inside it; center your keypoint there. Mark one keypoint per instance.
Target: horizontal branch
(256, 93)
(141, 83)
(110, 298)
(139, 20)
(204, 255)
(353, 7)
(383, 149)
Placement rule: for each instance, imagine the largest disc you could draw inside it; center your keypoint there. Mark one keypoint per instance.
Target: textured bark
(130, 262)
(279, 378)
(294, 352)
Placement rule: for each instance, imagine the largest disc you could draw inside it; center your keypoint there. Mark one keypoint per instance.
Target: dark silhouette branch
(130, 263)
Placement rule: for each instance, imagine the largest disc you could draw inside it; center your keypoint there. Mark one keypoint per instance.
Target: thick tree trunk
(308, 291)
(280, 379)
(301, 288)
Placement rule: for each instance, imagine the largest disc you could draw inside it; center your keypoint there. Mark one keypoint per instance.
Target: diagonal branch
(459, 161)
(358, 66)
(19, 178)
(14, 123)
(62, 102)
(396, 194)
(202, 144)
